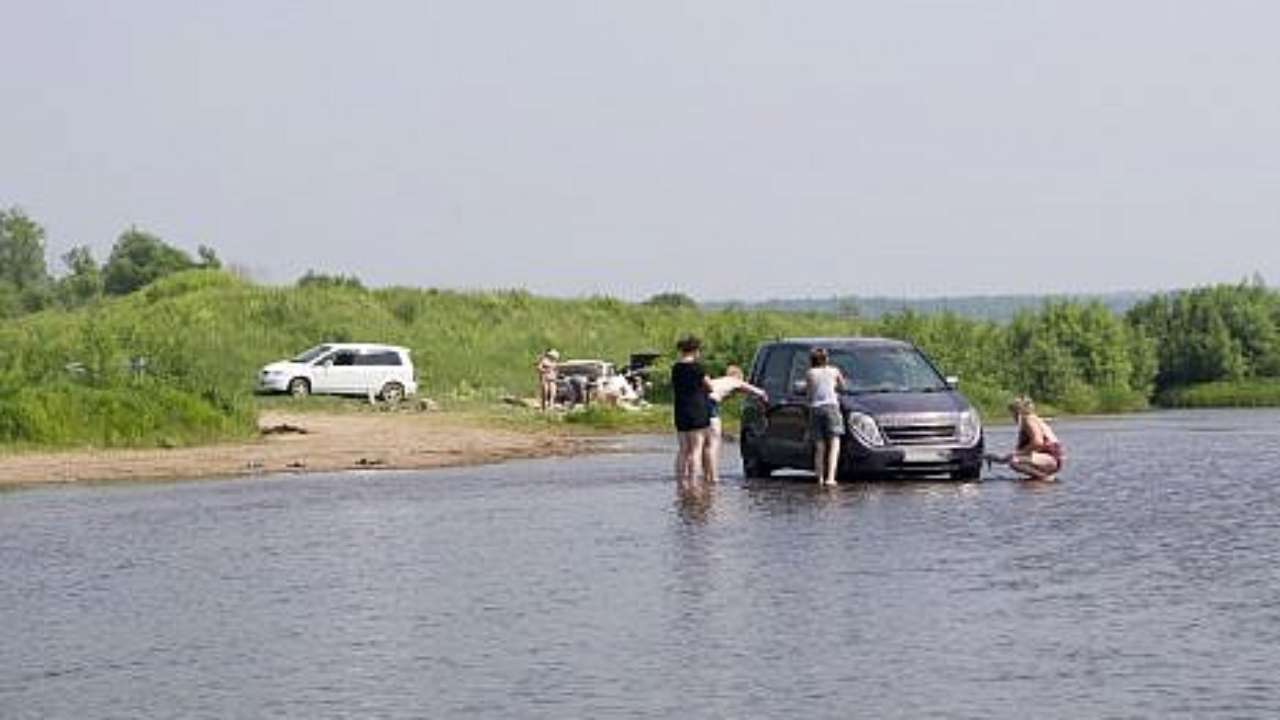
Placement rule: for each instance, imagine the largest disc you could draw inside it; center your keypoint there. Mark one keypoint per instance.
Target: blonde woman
(548, 367)
(721, 388)
(1038, 454)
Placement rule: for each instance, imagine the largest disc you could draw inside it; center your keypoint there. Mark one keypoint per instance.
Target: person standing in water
(822, 382)
(1038, 454)
(547, 367)
(691, 388)
(721, 388)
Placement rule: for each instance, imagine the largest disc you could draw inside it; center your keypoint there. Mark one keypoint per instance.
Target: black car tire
(299, 387)
(392, 392)
(752, 465)
(968, 474)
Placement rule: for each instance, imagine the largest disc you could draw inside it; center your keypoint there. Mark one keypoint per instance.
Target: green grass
(69, 377)
(1261, 392)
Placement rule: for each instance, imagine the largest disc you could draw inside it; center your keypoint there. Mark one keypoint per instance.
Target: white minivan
(343, 369)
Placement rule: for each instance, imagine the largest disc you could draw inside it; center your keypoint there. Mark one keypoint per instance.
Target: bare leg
(697, 443)
(1036, 466)
(819, 458)
(711, 452)
(833, 461)
(682, 457)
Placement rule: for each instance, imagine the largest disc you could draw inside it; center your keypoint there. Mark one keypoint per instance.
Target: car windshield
(887, 369)
(312, 354)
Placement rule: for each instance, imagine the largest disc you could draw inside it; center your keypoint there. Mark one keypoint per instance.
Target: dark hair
(818, 357)
(689, 343)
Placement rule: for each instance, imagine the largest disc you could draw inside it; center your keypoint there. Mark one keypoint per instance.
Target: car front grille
(920, 434)
(919, 429)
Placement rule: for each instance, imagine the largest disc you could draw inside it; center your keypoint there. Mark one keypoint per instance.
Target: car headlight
(864, 427)
(969, 429)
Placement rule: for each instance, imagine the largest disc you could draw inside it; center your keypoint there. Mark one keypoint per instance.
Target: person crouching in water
(690, 387)
(721, 388)
(1038, 454)
(547, 367)
(822, 382)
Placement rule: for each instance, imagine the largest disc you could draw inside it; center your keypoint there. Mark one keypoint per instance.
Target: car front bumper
(273, 383)
(916, 460)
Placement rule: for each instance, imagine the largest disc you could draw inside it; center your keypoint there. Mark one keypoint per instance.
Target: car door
(790, 417)
(338, 374)
(781, 423)
(379, 368)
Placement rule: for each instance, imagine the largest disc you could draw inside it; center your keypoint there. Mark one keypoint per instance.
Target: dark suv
(902, 416)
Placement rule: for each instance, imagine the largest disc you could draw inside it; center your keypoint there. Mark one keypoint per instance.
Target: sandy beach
(331, 441)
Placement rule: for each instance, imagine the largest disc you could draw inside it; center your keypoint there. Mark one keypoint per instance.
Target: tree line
(137, 259)
(1078, 356)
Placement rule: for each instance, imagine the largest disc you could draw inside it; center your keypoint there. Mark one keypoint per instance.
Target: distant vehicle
(578, 382)
(384, 371)
(902, 417)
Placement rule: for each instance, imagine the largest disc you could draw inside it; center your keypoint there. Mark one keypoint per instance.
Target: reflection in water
(1143, 585)
(694, 501)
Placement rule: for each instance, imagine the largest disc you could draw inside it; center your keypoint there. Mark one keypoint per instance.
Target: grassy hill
(174, 363)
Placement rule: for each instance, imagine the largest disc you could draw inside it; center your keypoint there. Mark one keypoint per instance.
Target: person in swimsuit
(691, 389)
(822, 382)
(547, 370)
(1038, 454)
(721, 388)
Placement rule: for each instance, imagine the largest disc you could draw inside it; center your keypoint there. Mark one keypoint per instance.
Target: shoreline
(332, 442)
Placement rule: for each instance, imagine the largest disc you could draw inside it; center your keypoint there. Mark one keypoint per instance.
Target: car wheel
(968, 474)
(752, 465)
(392, 392)
(299, 387)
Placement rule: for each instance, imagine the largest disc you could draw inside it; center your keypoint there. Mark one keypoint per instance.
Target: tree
(139, 259)
(83, 282)
(208, 258)
(671, 300)
(22, 263)
(313, 279)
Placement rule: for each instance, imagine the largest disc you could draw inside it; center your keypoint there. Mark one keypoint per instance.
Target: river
(1145, 584)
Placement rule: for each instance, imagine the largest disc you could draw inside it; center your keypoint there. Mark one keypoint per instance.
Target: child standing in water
(721, 388)
(822, 382)
(690, 387)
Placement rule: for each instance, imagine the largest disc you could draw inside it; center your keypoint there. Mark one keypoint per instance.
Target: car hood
(877, 404)
(282, 366)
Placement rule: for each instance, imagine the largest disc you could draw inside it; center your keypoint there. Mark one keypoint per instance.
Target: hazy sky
(723, 148)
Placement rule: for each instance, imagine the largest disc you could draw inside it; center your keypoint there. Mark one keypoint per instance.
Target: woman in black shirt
(691, 388)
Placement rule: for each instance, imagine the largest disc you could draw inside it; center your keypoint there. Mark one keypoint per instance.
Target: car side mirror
(953, 381)
(328, 362)
(799, 387)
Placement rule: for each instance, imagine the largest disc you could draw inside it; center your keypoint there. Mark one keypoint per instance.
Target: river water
(1145, 584)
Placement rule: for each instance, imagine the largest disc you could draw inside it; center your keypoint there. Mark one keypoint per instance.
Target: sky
(728, 149)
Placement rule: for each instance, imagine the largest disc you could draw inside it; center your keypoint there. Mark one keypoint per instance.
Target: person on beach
(547, 369)
(691, 388)
(1038, 454)
(822, 382)
(721, 388)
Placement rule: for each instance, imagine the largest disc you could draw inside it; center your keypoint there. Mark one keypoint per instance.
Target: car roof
(846, 342)
(364, 346)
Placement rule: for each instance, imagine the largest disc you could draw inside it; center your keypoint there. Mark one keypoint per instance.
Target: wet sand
(332, 441)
